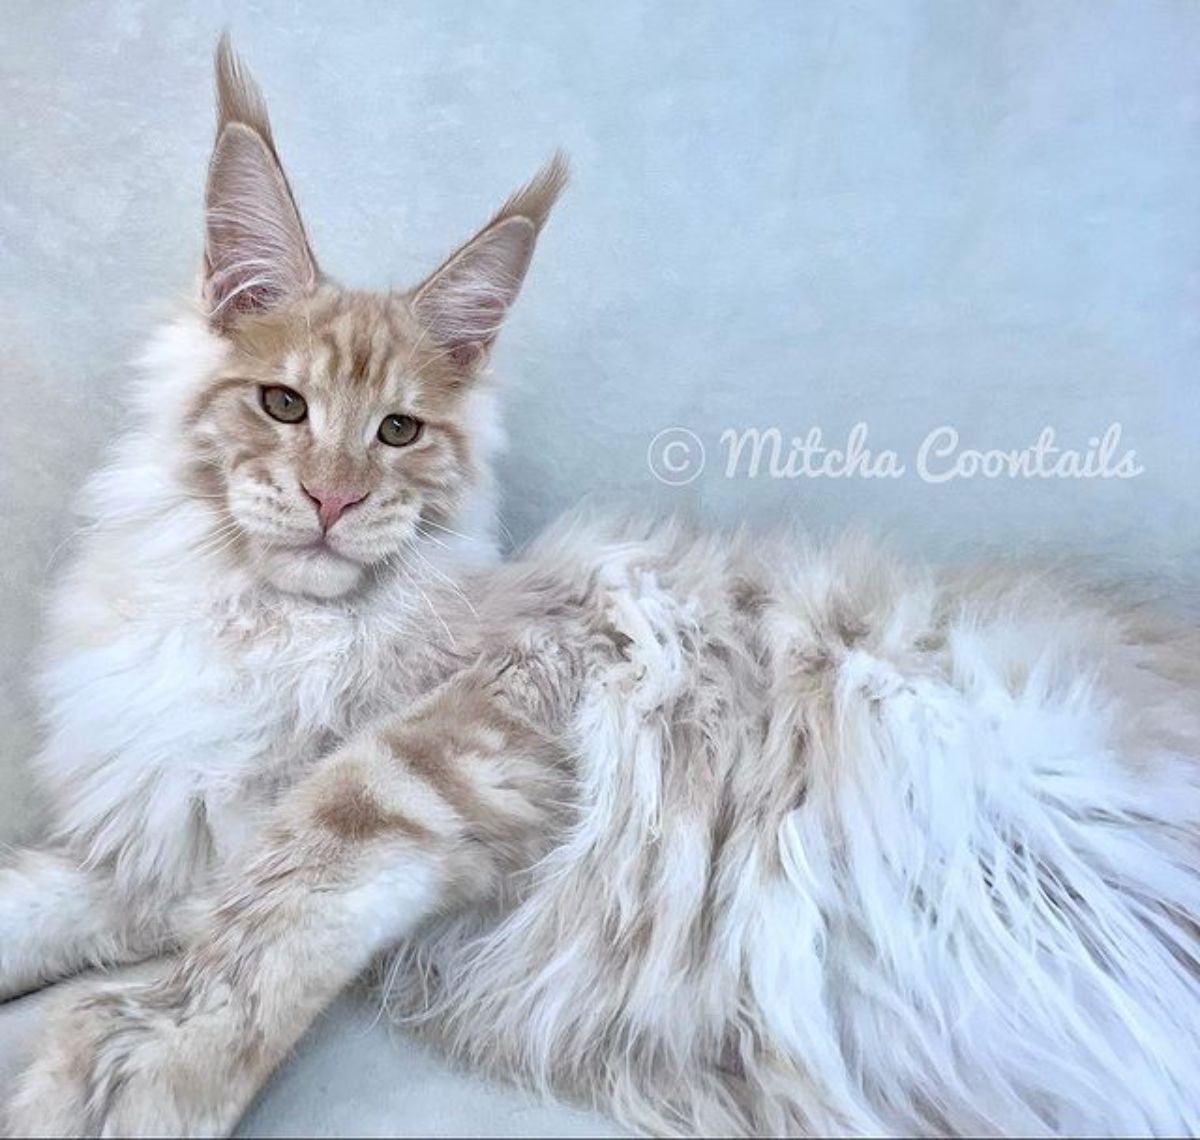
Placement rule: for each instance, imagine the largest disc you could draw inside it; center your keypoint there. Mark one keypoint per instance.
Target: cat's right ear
(256, 253)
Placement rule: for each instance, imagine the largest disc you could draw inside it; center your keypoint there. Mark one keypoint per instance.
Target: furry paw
(119, 1060)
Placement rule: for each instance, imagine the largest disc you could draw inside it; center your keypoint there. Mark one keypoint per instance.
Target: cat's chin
(319, 573)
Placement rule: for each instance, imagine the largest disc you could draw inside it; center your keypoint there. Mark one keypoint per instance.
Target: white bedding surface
(355, 1075)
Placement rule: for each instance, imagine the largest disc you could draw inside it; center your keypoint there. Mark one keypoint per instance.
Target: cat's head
(330, 426)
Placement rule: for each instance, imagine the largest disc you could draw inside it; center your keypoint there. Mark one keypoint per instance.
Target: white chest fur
(180, 704)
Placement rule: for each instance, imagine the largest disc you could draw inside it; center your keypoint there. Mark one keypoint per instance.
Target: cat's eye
(282, 404)
(399, 431)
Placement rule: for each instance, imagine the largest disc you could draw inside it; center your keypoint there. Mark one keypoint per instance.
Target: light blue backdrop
(795, 214)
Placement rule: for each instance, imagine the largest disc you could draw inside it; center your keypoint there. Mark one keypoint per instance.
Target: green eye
(283, 404)
(399, 431)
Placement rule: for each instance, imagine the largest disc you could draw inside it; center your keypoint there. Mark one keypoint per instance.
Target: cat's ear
(256, 253)
(464, 302)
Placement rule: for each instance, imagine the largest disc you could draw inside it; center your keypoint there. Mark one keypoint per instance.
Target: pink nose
(331, 504)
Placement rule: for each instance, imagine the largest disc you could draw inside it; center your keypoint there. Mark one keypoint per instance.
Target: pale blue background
(978, 213)
(982, 214)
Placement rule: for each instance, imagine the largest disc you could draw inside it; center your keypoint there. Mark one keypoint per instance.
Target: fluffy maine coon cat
(718, 834)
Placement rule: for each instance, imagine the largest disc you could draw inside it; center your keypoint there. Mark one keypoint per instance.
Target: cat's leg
(58, 918)
(416, 816)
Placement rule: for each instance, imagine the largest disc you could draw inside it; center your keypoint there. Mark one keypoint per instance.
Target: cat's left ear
(464, 302)
(256, 253)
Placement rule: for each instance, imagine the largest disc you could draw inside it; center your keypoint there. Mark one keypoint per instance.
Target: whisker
(432, 538)
(218, 538)
(425, 597)
(447, 579)
(449, 530)
(212, 550)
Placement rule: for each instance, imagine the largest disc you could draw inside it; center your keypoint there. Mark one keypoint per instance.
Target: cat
(721, 833)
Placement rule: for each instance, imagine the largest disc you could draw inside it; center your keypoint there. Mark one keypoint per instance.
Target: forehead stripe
(360, 358)
(333, 354)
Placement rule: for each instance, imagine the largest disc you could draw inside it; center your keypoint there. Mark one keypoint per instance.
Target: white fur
(874, 849)
(182, 694)
(980, 919)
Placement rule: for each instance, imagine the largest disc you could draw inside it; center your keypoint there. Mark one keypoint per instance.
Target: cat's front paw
(115, 1060)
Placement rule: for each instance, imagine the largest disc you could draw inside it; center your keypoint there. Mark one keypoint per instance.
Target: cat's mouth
(315, 548)
(296, 557)
(322, 544)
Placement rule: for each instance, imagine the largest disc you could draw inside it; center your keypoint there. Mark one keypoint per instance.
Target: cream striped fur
(721, 833)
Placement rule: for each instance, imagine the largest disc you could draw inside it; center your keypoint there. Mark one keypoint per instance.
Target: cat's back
(799, 600)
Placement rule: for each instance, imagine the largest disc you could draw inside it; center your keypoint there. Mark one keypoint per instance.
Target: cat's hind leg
(416, 816)
(58, 918)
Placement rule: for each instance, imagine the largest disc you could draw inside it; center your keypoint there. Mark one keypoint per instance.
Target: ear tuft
(465, 301)
(256, 251)
(536, 198)
(239, 97)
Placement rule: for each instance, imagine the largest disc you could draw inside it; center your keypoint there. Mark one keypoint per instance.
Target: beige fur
(722, 833)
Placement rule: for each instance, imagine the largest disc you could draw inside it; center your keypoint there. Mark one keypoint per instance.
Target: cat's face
(334, 434)
(338, 427)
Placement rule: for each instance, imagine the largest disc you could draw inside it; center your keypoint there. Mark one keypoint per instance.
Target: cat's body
(856, 847)
(719, 833)
(228, 689)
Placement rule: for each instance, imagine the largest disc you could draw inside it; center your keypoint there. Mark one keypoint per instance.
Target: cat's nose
(331, 504)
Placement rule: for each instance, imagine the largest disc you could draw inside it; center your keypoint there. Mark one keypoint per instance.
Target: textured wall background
(909, 214)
